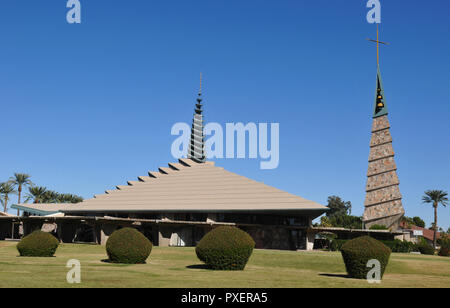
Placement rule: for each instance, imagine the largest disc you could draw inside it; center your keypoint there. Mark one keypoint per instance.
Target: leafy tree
(325, 222)
(418, 222)
(6, 189)
(339, 215)
(346, 221)
(415, 221)
(20, 180)
(378, 227)
(338, 207)
(435, 197)
(408, 221)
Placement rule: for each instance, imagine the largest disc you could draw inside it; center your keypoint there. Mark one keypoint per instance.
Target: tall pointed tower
(196, 150)
(383, 203)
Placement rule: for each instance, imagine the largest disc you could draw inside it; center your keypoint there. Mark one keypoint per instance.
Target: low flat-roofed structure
(41, 209)
(7, 226)
(346, 233)
(3, 214)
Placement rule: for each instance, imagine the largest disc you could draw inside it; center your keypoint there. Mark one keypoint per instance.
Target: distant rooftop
(6, 214)
(427, 233)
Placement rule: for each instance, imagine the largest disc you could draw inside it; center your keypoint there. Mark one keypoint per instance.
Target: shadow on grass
(120, 264)
(85, 243)
(199, 266)
(336, 275)
(40, 257)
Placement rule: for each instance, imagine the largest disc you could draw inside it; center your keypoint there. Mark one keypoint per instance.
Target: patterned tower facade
(383, 203)
(196, 150)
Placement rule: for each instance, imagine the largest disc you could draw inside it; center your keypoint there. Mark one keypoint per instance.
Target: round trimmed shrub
(444, 241)
(225, 248)
(128, 246)
(357, 252)
(425, 249)
(444, 251)
(336, 244)
(38, 244)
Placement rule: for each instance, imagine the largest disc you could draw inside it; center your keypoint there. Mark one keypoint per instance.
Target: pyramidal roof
(191, 186)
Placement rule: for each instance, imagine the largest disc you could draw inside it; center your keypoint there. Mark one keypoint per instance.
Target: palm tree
(50, 196)
(435, 197)
(62, 198)
(74, 199)
(37, 193)
(6, 189)
(20, 180)
(69, 198)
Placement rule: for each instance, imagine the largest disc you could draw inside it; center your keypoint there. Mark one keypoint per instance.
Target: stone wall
(381, 166)
(381, 151)
(383, 203)
(382, 180)
(380, 137)
(380, 123)
(383, 210)
(382, 195)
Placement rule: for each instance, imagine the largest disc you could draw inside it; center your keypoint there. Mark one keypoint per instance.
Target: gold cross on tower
(378, 44)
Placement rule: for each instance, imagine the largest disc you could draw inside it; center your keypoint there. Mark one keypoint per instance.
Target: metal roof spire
(380, 107)
(196, 150)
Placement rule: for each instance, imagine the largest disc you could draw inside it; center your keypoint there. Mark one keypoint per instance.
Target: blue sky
(85, 107)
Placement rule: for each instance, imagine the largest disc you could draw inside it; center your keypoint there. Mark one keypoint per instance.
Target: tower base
(391, 222)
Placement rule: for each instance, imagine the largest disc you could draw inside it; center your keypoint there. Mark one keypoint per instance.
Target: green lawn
(179, 267)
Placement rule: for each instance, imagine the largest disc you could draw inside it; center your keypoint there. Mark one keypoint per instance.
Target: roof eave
(313, 213)
(33, 211)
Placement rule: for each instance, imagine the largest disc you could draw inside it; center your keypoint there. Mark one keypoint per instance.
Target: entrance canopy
(41, 209)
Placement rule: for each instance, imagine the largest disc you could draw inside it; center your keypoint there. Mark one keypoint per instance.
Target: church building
(178, 204)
